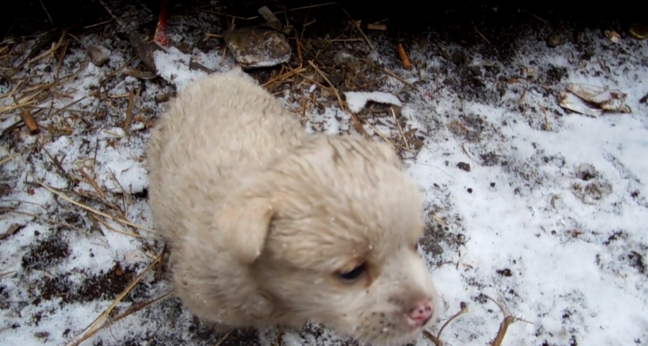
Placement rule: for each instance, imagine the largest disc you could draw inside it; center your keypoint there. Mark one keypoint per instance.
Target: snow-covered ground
(542, 209)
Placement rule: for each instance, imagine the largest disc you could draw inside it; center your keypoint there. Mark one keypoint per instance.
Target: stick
(437, 339)
(399, 78)
(354, 119)
(407, 64)
(381, 27)
(503, 328)
(129, 112)
(399, 128)
(224, 337)
(48, 15)
(29, 121)
(482, 36)
(99, 321)
(9, 158)
(536, 17)
(70, 200)
(359, 28)
(128, 313)
(284, 76)
(7, 273)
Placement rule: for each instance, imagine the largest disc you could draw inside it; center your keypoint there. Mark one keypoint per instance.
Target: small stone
(161, 98)
(458, 58)
(554, 41)
(639, 31)
(257, 46)
(343, 58)
(98, 56)
(464, 166)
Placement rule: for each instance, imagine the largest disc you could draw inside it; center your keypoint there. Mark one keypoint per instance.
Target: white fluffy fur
(261, 217)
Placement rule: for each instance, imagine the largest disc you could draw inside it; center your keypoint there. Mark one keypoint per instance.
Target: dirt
(49, 252)
(105, 286)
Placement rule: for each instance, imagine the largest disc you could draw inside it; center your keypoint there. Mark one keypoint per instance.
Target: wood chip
(380, 27)
(30, 122)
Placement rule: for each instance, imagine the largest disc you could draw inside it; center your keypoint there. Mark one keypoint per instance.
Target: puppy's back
(215, 131)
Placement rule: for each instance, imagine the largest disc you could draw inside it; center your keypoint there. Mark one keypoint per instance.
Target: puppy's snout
(421, 313)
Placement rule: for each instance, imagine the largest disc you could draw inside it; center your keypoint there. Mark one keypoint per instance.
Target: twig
(399, 78)
(383, 136)
(546, 117)
(101, 193)
(96, 324)
(407, 64)
(380, 27)
(60, 59)
(312, 81)
(284, 76)
(129, 112)
(48, 15)
(299, 51)
(224, 54)
(28, 119)
(522, 97)
(127, 313)
(59, 166)
(437, 339)
(358, 27)
(52, 49)
(313, 6)
(354, 119)
(134, 235)
(224, 338)
(114, 73)
(15, 88)
(400, 128)
(344, 40)
(482, 36)
(120, 22)
(92, 183)
(231, 16)
(464, 310)
(470, 156)
(53, 222)
(536, 17)
(7, 159)
(116, 219)
(437, 219)
(98, 24)
(16, 106)
(7, 273)
(503, 328)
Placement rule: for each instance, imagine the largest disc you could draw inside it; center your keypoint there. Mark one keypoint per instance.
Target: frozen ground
(542, 209)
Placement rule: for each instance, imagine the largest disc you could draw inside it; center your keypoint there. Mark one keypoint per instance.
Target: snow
(357, 100)
(564, 250)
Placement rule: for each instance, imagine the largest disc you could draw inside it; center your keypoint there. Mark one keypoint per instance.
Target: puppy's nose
(421, 312)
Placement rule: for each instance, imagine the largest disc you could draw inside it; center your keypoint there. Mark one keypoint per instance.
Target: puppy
(270, 226)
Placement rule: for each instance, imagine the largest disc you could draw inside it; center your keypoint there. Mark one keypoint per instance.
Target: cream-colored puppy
(271, 226)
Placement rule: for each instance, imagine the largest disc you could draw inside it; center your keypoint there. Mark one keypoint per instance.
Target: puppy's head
(331, 233)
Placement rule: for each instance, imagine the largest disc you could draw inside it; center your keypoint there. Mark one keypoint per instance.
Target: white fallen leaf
(357, 100)
(575, 104)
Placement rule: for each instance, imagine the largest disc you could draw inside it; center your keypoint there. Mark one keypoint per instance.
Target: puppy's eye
(354, 274)
(415, 247)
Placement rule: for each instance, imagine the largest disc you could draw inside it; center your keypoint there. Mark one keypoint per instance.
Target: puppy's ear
(244, 225)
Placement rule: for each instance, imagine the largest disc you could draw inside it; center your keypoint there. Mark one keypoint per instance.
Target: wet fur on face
(268, 225)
